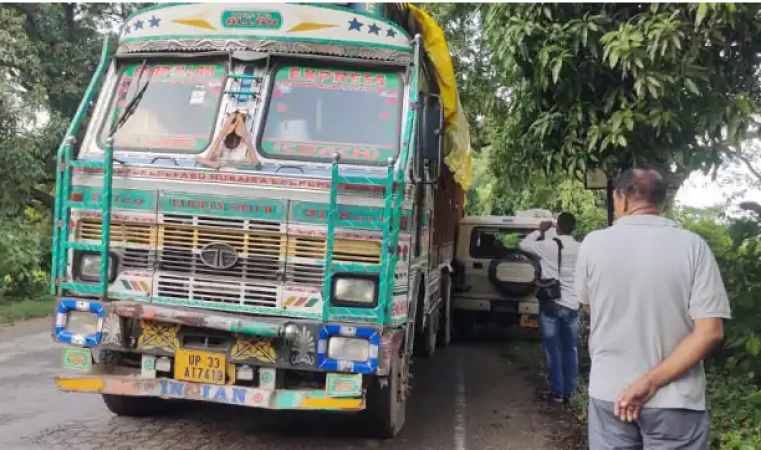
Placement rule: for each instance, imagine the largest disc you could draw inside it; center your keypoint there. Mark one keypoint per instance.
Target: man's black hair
(566, 223)
(642, 184)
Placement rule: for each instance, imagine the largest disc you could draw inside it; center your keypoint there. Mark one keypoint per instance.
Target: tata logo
(219, 256)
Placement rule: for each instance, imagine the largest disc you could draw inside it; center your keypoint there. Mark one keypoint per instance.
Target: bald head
(643, 186)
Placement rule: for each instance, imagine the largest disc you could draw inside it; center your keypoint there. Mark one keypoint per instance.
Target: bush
(24, 255)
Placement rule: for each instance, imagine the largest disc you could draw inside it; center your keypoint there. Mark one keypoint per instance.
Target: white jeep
(494, 279)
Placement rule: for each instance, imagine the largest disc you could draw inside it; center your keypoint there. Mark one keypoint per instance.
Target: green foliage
(23, 249)
(491, 195)
(26, 309)
(48, 52)
(608, 84)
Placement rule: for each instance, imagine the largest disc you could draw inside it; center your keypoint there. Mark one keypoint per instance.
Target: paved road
(474, 397)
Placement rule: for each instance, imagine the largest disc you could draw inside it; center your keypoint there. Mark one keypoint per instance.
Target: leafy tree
(608, 85)
(48, 52)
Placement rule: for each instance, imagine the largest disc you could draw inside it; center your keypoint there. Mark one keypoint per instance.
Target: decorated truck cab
(261, 209)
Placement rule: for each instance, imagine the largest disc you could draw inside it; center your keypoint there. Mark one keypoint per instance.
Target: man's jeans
(560, 330)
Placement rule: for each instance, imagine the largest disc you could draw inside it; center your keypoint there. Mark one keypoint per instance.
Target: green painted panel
(255, 20)
(121, 198)
(223, 206)
(349, 216)
(340, 385)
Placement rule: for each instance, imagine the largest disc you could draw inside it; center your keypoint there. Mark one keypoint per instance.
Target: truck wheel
(444, 336)
(426, 343)
(464, 325)
(125, 405)
(387, 401)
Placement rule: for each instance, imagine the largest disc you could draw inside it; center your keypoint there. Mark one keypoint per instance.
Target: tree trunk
(675, 181)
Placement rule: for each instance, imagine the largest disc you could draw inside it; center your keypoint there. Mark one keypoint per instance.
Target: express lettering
(336, 77)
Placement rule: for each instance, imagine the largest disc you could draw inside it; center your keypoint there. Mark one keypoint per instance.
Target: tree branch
(44, 198)
(748, 163)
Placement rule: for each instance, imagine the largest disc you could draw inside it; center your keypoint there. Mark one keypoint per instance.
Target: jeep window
(314, 113)
(492, 243)
(177, 113)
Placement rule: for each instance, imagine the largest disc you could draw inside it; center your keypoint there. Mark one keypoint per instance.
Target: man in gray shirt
(657, 304)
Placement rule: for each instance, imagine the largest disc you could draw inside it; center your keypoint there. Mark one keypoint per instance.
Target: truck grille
(217, 291)
(258, 244)
(173, 247)
(306, 257)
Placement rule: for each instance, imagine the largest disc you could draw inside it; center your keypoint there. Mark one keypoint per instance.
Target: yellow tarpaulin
(456, 128)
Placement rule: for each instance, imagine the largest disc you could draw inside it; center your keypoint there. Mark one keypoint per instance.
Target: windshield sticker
(337, 77)
(270, 20)
(197, 96)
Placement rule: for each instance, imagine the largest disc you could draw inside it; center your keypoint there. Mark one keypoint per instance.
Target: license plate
(200, 366)
(529, 321)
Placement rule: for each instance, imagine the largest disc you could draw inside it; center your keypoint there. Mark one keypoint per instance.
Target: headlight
(89, 267)
(82, 322)
(354, 290)
(348, 349)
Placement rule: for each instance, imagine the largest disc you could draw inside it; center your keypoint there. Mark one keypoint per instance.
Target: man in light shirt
(657, 305)
(558, 318)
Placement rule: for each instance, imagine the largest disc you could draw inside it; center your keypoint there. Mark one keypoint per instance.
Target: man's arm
(690, 351)
(531, 243)
(708, 307)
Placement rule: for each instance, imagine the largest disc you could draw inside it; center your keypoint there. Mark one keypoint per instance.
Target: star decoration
(127, 29)
(138, 25)
(154, 21)
(373, 29)
(390, 33)
(355, 24)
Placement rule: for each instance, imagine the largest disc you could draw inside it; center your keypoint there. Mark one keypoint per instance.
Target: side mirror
(432, 125)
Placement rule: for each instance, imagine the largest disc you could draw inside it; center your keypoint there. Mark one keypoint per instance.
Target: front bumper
(285, 399)
(261, 341)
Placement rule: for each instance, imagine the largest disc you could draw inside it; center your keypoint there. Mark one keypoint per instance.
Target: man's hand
(545, 225)
(630, 402)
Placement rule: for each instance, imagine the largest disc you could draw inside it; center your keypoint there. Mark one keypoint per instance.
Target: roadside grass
(18, 310)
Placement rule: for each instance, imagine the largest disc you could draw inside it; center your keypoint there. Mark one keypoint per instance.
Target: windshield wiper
(132, 104)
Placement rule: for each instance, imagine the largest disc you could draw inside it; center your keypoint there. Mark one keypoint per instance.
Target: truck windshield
(314, 113)
(177, 112)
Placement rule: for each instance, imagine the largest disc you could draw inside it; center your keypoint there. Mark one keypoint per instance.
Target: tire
(464, 324)
(425, 345)
(425, 342)
(444, 337)
(387, 402)
(128, 406)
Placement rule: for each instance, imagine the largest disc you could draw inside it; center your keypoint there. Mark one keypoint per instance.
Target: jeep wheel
(124, 405)
(387, 402)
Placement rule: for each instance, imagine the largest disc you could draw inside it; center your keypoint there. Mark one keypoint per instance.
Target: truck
(495, 282)
(256, 205)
